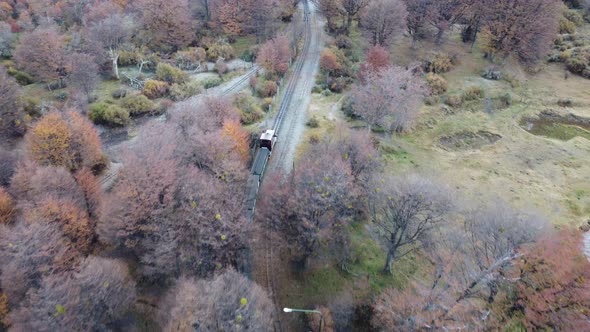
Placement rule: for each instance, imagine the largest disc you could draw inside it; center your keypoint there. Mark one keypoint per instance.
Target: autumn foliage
(7, 208)
(274, 55)
(553, 288)
(42, 54)
(67, 140)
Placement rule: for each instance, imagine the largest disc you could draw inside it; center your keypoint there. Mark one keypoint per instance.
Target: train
(265, 145)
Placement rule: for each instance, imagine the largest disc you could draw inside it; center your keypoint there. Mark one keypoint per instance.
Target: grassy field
(546, 168)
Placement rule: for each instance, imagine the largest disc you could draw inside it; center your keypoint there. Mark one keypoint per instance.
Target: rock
(585, 228)
(492, 73)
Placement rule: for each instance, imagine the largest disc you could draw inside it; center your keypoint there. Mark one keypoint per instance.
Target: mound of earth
(468, 140)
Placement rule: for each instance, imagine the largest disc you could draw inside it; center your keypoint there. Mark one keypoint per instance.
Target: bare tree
(520, 27)
(84, 73)
(111, 34)
(384, 20)
(352, 9)
(12, 119)
(29, 252)
(227, 303)
(312, 204)
(99, 294)
(390, 92)
(7, 39)
(406, 211)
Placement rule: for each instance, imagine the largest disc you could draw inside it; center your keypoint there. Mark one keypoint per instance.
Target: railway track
(238, 84)
(285, 102)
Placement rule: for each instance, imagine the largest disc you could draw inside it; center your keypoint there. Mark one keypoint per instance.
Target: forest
(431, 169)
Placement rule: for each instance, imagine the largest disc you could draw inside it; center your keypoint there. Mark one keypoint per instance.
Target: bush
(492, 73)
(250, 111)
(566, 26)
(119, 93)
(266, 102)
(61, 95)
(431, 100)
(180, 92)
(21, 77)
(191, 58)
(338, 85)
(128, 58)
(472, 93)
(565, 102)
(168, 73)
(164, 105)
(266, 88)
(211, 83)
(437, 84)
(108, 114)
(348, 109)
(313, 122)
(576, 64)
(253, 82)
(155, 89)
(506, 99)
(438, 63)
(220, 50)
(249, 55)
(343, 42)
(574, 16)
(453, 100)
(316, 89)
(138, 105)
(221, 67)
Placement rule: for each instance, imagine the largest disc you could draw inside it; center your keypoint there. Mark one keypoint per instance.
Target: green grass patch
(369, 259)
(104, 90)
(243, 43)
(323, 283)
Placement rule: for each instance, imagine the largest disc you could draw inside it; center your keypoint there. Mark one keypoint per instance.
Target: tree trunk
(388, 261)
(348, 24)
(115, 65)
(439, 36)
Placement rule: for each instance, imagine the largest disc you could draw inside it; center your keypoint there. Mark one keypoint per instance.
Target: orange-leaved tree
(67, 140)
(238, 137)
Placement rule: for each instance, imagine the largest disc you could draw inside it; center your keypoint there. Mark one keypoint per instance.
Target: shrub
(220, 50)
(168, 73)
(472, 93)
(574, 16)
(221, 67)
(438, 63)
(249, 55)
(164, 105)
(431, 100)
(266, 102)
(21, 77)
(565, 55)
(211, 83)
(108, 114)
(343, 42)
(128, 58)
(253, 82)
(506, 99)
(565, 102)
(266, 88)
(155, 89)
(250, 111)
(191, 58)
(492, 73)
(338, 85)
(453, 100)
(61, 95)
(566, 26)
(436, 83)
(119, 93)
(138, 105)
(180, 92)
(316, 89)
(576, 64)
(313, 122)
